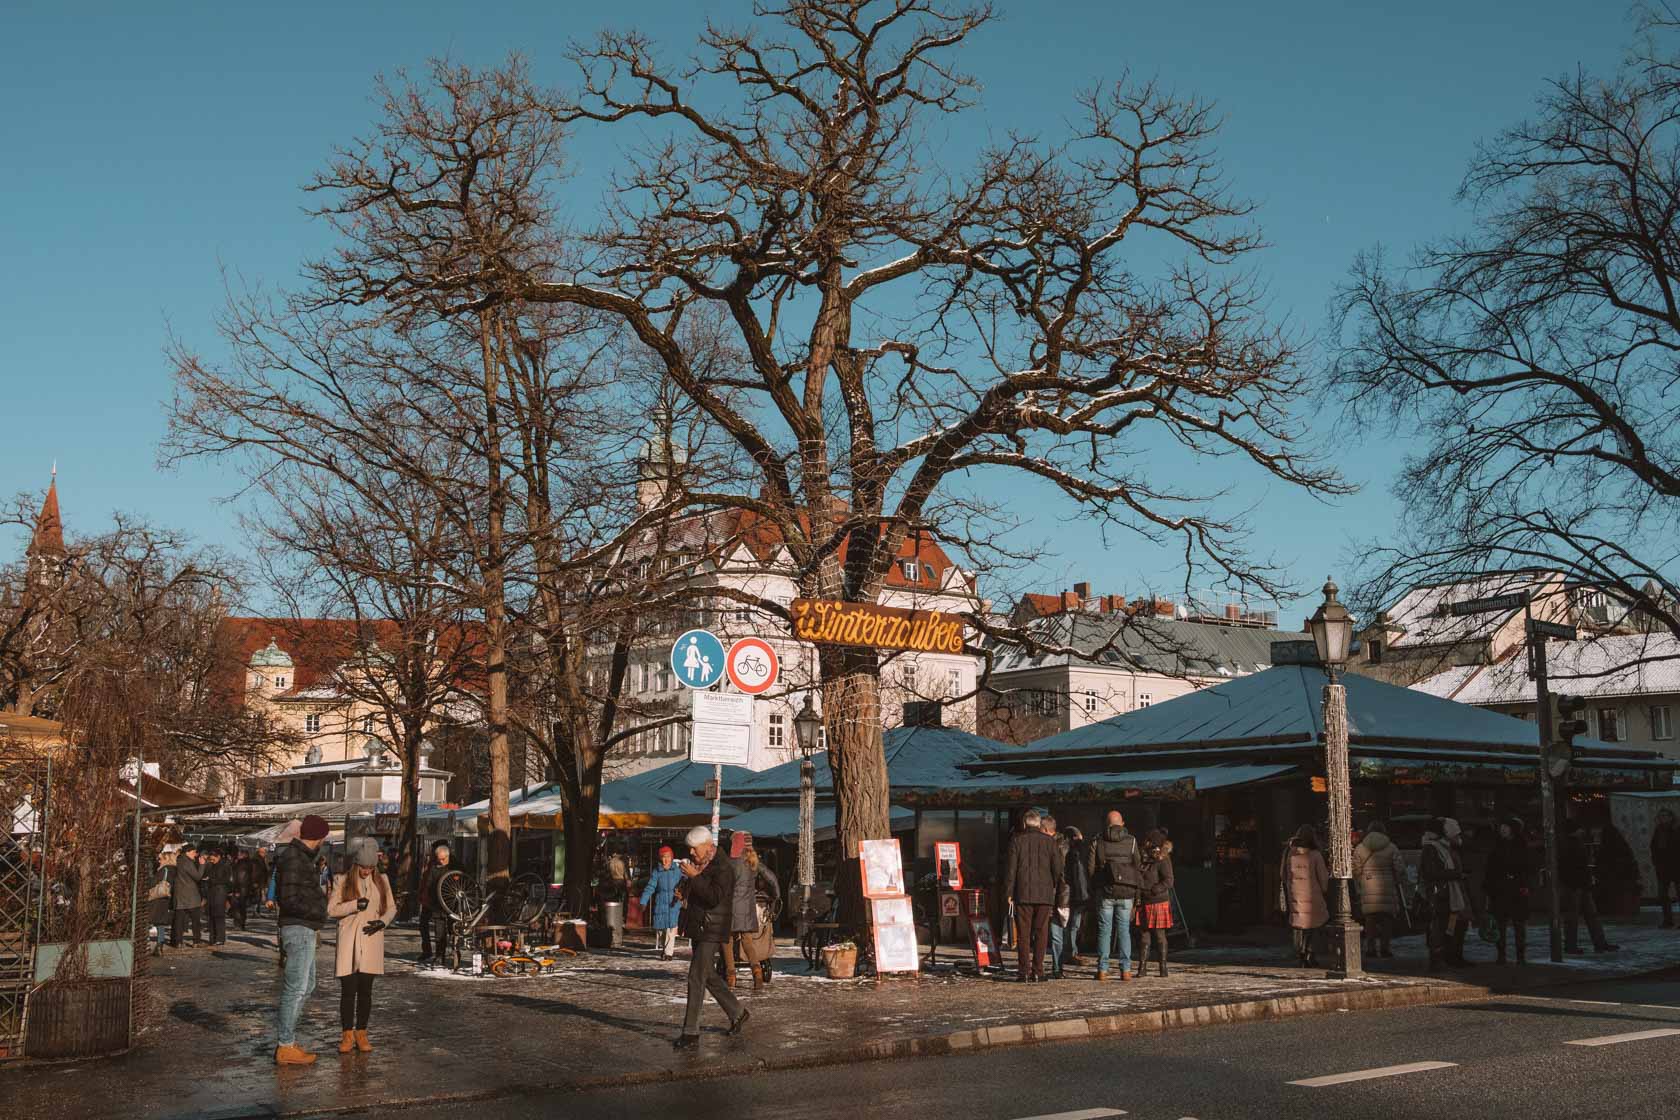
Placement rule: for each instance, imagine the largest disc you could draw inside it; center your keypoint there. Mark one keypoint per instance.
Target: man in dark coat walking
(188, 898)
(215, 883)
(1575, 873)
(1032, 878)
(709, 879)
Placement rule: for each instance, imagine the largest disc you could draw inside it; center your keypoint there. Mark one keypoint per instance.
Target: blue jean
(1058, 945)
(1108, 909)
(297, 982)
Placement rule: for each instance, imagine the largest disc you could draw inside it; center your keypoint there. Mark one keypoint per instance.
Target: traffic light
(1570, 720)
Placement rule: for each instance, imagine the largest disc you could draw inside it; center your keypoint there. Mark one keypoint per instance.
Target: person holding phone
(708, 920)
(363, 903)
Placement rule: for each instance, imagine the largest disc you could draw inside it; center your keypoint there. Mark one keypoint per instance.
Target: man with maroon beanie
(302, 912)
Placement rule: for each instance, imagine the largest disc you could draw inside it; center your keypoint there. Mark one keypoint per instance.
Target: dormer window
(279, 682)
(912, 570)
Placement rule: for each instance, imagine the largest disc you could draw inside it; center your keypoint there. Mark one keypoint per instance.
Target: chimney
(1070, 601)
(1164, 608)
(1233, 613)
(1083, 590)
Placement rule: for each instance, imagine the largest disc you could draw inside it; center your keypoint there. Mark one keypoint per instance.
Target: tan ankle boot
(347, 1043)
(362, 1042)
(292, 1056)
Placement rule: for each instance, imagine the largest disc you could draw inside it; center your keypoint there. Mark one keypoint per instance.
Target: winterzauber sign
(835, 622)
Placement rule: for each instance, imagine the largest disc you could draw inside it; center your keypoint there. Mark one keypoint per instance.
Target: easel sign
(947, 855)
(883, 868)
(985, 947)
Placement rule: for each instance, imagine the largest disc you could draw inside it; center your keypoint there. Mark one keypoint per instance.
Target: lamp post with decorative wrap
(805, 727)
(1332, 631)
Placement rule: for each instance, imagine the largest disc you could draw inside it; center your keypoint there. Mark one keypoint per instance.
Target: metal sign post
(1548, 794)
(717, 797)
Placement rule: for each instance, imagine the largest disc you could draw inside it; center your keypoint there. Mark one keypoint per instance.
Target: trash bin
(612, 915)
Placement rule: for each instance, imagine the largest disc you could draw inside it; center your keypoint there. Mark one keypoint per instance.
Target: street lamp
(1332, 631)
(805, 727)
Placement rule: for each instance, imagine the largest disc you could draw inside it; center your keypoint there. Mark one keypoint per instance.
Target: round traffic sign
(752, 665)
(697, 659)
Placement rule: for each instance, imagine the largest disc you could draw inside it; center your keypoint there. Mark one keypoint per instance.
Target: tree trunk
(407, 870)
(583, 833)
(851, 692)
(495, 625)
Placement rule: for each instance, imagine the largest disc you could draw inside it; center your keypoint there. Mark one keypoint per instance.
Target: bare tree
(1535, 355)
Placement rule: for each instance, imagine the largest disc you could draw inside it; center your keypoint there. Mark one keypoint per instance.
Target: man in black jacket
(187, 897)
(302, 907)
(1575, 873)
(1115, 865)
(434, 920)
(215, 883)
(1033, 877)
(707, 918)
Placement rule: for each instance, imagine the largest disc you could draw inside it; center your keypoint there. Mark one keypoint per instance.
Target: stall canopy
(1274, 718)
(1176, 783)
(781, 822)
(918, 758)
(653, 799)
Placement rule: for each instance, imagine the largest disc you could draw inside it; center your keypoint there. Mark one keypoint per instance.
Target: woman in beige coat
(362, 901)
(1305, 879)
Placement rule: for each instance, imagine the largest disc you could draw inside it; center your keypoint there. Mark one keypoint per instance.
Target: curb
(961, 1042)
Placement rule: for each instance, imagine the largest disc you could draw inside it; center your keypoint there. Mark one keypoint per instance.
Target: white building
(1631, 683)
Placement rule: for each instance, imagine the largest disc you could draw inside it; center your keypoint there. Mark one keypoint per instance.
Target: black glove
(373, 927)
(361, 904)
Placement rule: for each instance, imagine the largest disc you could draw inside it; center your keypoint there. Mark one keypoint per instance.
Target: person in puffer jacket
(1377, 868)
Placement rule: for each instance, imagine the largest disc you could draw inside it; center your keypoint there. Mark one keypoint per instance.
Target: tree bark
(495, 622)
(408, 838)
(851, 691)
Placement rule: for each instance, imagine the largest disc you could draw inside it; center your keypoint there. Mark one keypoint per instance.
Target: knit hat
(699, 835)
(313, 828)
(364, 852)
(665, 850)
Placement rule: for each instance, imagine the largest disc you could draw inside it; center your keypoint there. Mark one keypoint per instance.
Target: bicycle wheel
(459, 896)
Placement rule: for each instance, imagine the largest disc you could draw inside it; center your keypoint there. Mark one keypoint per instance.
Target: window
(1375, 649)
(907, 676)
(912, 570)
(1145, 699)
(1607, 726)
(279, 682)
(367, 724)
(665, 678)
(1047, 705)
(778, 731)
(1662, 722)
(1090, 701)
(953, 682)
(312, 722)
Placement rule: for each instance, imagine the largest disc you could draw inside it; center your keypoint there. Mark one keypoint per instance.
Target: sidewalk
(608, 1018)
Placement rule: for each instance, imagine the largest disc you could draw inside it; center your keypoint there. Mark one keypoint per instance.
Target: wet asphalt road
(1506, 1056)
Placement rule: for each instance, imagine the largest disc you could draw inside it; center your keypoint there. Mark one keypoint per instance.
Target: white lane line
(1632, 1036)
(1371, 1074)
(1594, 1002)
(1078, 1114)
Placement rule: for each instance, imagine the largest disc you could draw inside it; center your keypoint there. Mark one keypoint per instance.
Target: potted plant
(840, 959)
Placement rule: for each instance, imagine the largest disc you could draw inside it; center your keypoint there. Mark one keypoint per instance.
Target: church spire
(48, 540)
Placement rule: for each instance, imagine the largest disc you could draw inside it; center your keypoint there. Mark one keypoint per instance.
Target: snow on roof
(1145, 643)
(1421, 615)
(1613, 665)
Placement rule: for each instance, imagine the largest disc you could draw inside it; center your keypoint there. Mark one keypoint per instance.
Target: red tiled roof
(762, 538)
(317, 646)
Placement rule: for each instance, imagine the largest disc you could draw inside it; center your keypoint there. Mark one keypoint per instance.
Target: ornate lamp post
(1332, 631)
(805, 727)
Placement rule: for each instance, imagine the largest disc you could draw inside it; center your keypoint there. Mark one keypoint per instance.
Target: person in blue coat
(661, 891)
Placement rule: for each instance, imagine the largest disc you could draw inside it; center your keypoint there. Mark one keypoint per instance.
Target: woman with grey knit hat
(363, 903)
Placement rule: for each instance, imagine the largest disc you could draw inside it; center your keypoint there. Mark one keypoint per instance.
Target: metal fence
(24, 799)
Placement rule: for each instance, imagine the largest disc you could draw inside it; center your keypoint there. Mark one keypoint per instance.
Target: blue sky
(150, 147)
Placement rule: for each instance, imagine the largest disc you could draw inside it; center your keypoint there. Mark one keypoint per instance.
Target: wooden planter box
(81, 1019)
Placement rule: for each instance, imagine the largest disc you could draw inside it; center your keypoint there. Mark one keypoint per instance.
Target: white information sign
(722, 729)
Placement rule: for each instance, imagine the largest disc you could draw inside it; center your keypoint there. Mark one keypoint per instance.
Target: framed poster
(947, 855)
(895, 946)
(985, 948)
(883, 869)
(950, 905)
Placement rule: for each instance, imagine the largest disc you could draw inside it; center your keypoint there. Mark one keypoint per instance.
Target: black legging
(355, 1000)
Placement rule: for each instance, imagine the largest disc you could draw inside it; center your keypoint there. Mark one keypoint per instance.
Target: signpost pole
(717, 797)
(1548, 796)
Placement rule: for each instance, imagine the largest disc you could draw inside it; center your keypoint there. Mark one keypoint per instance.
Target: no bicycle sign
(752, 665)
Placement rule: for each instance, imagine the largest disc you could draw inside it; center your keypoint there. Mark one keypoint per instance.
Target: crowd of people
(198, 889)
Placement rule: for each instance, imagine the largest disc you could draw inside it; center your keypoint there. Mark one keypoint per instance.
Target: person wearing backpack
(1115, 867)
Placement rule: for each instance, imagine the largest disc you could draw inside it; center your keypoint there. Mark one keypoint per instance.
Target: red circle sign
(751, 665)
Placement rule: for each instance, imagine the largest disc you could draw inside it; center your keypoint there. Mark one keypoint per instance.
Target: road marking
(1371, 1074)
(1595, 1002)
(1634, 1036)
(1078, 1114)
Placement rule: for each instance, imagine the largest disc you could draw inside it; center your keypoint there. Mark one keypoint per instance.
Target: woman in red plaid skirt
(1155, 915)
